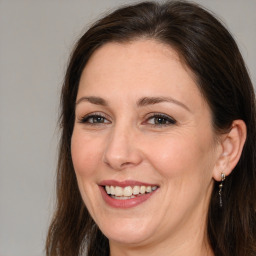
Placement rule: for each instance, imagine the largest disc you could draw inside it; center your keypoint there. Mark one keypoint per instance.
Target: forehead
(142, 55)
(136, 68)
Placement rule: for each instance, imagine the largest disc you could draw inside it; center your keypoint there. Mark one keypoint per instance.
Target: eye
(94, 119)
(160, 120)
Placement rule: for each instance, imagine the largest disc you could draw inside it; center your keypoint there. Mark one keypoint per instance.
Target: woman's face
(143, 133)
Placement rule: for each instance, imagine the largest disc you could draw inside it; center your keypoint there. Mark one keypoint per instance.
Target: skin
(182, 158)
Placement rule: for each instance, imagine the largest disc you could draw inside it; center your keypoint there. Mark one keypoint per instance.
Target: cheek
(175, 156)
(85, 152)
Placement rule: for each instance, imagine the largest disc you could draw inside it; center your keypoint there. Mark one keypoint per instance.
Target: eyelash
(85, 119)
(166, 119)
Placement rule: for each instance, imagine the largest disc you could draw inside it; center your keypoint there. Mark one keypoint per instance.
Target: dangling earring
(221, 187)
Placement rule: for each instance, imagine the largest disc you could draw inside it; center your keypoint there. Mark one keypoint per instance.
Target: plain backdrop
(36, 38)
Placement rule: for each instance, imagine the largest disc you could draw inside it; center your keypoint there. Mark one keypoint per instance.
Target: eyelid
(170, 119)
(93, 114)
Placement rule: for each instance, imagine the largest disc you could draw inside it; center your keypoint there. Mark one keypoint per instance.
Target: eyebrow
(155, 100)
(93, 100)
(145, 101)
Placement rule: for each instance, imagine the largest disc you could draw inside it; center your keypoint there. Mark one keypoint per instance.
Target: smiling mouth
(128, 192)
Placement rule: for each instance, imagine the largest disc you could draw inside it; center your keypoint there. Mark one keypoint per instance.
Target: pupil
(98, 119)
(160, 120)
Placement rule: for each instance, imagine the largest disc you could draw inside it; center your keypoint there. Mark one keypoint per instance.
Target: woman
(157, 154)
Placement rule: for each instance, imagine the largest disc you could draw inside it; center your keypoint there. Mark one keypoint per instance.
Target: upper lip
(125, 183)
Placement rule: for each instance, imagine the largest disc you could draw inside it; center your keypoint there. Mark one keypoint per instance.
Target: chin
(127, 238)
(127, 233)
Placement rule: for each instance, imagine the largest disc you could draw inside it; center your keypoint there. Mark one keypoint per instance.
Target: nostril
(125, 164)
(118, 166)
(120, 154)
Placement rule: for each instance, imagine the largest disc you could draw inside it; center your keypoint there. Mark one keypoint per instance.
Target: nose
(122, 150)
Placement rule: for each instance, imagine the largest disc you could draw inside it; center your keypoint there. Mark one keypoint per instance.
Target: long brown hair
(211, 53)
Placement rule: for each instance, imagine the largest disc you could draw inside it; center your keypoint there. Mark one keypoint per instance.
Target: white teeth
(123, 197)
(112, 190)
(108, 190)
(118, 191)
(142, 189)
(128, 192)
(154, 188)
(148, 189)
(136, 190)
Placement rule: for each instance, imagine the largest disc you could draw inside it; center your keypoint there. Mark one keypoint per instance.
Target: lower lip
(127, 203)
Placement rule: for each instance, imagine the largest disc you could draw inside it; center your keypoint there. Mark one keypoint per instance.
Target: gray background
(35, 40)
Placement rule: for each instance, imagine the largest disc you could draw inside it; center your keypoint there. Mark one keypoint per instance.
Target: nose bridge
(121, 149)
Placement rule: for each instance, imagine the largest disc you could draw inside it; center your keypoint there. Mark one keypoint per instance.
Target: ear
(231, 146)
